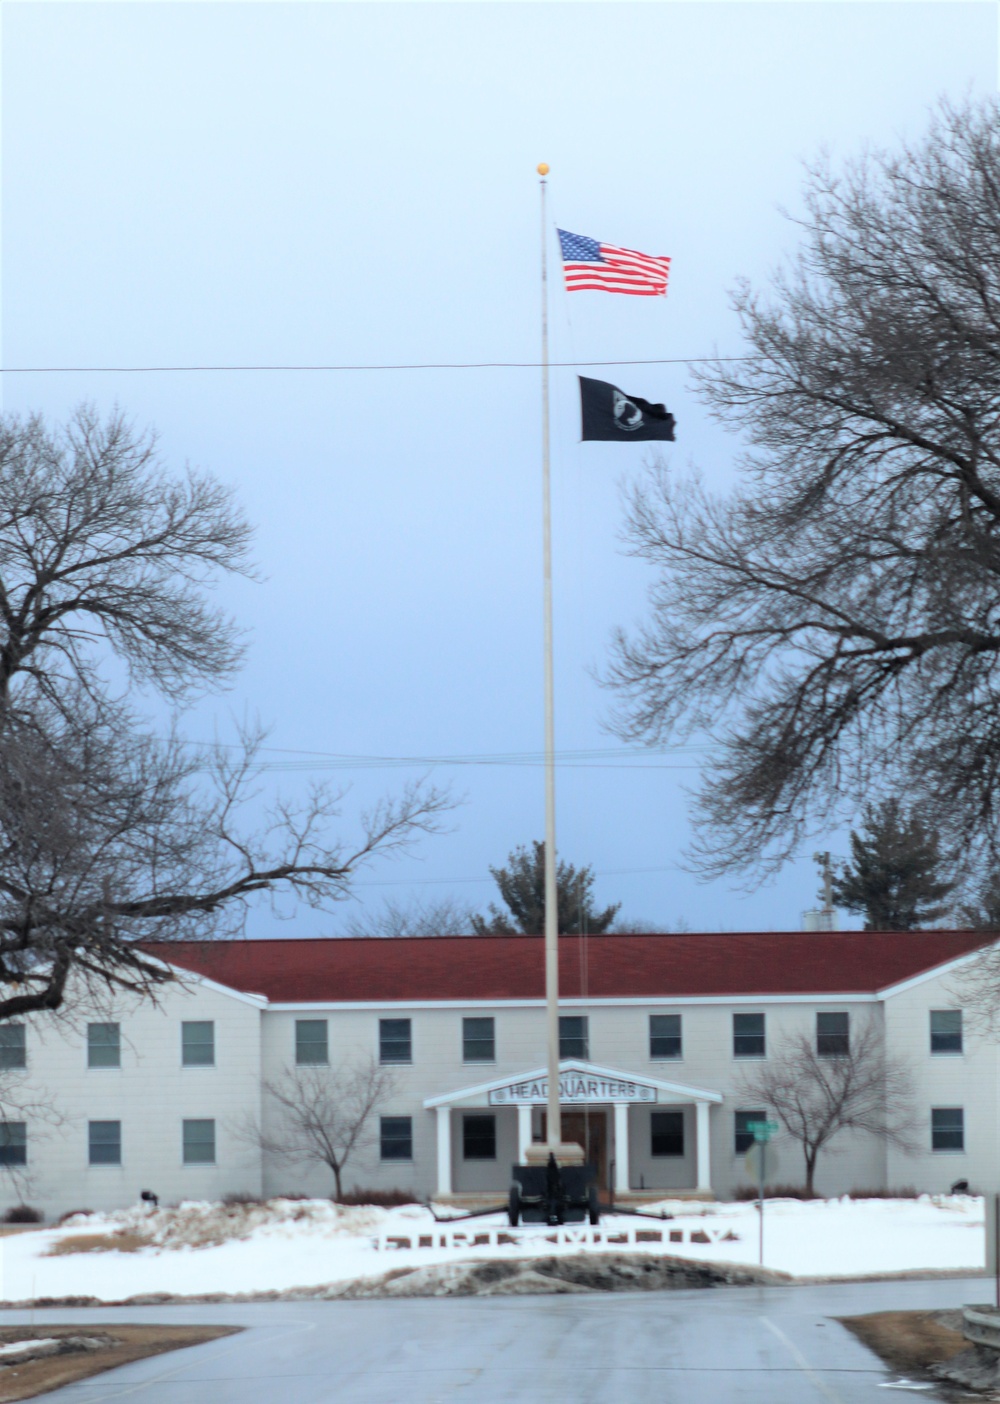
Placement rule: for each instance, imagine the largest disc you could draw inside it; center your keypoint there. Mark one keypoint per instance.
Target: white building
(656, 1034)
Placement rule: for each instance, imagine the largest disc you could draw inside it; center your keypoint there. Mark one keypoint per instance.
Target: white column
(703, 1147)
(444, 1150)
(523, 1133)
(621, 1148)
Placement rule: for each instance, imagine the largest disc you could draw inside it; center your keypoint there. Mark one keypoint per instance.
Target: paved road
(766, 1345)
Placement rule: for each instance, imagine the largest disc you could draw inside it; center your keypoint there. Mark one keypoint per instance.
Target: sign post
(761, 1131)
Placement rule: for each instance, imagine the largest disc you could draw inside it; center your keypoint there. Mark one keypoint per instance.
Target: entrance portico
(585, 1086)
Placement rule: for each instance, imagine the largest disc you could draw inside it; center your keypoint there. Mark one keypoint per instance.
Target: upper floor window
(311, 1043)
(833, 1035)
(104, 1046)
(104, 1142)
(13, 1051)
(395, 1041)
(198, 1043)
(664, 1035)
(742, 1121)
(748, 1036)
(13, 1143)
(199, 1142)
(947, 1129)
(478, 1041)
(667, 1133)
(574, 1036)
(479, 1137)
(946, 1030)
(396, 1138)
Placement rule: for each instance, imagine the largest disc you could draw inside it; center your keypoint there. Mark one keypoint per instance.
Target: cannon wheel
(593, 1205)
(514, 1205)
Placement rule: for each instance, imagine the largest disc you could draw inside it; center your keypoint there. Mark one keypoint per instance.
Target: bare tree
(833, 625)
(325, 1114)
(29, 1114)
(110, 836)
(817, 1096)
(444, 916)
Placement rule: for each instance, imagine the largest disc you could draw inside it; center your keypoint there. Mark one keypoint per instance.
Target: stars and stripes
(589, 264)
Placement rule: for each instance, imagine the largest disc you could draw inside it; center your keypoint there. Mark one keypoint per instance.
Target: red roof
(511, 967)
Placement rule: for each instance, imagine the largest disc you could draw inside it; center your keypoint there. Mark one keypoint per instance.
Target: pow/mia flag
(608, 413)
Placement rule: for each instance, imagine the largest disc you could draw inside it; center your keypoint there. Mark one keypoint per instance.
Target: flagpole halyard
(554, 1118)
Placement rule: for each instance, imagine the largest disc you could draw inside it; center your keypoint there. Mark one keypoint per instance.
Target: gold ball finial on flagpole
(543, 168)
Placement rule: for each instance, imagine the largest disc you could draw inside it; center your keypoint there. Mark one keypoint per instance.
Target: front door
(590, 1130)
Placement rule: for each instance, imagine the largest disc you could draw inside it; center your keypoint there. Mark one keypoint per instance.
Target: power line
(416, 365)
(444, 882)
(612, 758)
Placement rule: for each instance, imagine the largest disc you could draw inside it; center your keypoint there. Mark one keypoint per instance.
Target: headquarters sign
(574, 1089)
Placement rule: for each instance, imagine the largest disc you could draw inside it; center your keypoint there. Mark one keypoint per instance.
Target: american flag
(607, 268)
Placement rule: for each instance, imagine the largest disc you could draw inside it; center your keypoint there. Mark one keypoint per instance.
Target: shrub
(747, 1192)
(381, 1199)
(241, 1197)
(904, 1192)
(71, 1214)
(23, 1214)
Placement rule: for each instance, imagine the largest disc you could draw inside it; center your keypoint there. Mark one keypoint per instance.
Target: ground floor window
(13, 1143)
(479, 1137)
(396, 1138)
(199, 1142)
(947, 1129)
(667, 1133)
(105, 1142)
(743, 1136)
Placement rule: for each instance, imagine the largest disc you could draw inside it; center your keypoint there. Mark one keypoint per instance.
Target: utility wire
(416, 365)
(613, 758)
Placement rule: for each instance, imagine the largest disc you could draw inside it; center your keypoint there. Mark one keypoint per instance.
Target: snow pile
(197, 1224)
(202, 1248)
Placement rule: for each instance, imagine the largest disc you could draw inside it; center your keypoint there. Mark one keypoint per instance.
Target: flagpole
(554, 1126)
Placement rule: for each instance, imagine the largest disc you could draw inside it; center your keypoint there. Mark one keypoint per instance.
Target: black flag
(608, 413)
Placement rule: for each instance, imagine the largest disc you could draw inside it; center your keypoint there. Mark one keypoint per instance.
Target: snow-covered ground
(203, 1248)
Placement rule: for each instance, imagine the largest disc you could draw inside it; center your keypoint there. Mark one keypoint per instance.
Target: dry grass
(909, 1341)
(124, 1345)
(119, 1242)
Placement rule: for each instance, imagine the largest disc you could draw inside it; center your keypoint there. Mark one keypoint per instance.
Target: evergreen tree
(522, 887)
(895, 878)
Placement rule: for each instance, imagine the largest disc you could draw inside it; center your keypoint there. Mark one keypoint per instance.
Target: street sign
(762, 1131)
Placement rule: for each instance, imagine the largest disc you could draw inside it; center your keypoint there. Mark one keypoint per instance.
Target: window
(664, 1035)
(479, 1137)
(574, 1040)
(748, 1036)
(478, 1045)
(833, 1037)
(13, 1143)
(667, 1133)
(743, 1137)
(199, 1143)
(198, 1044)
(947, 1129)
(311, 1041)
(395, 1044)
(946, 1030)
(104, 1046)
(12, 1047)
(396, 1135)
(105, 1139)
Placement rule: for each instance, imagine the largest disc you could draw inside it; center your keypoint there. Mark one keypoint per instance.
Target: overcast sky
(196, 184)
